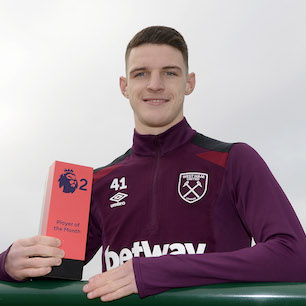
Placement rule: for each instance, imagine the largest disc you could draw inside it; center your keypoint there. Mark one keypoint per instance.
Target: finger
(118, 294)
(105, 277)
(34, 272)
(40, 240)
(40, 262)
(98, 281)
(43, 251)
(108, 287)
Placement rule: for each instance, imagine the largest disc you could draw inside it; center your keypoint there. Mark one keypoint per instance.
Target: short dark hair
(159, 35)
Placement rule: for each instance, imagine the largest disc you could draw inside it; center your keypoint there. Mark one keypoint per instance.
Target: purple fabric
(3, 275)
(198, 203)
(243, 200)
(280, 250)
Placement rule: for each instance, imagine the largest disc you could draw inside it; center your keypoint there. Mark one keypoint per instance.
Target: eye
(140, 74)
(170, 73)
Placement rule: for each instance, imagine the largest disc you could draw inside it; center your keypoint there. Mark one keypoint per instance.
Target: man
(178, 209)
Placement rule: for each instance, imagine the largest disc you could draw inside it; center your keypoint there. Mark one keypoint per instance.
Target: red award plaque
(66, 214)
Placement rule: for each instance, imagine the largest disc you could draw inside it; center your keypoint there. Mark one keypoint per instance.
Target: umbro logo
(117, 198)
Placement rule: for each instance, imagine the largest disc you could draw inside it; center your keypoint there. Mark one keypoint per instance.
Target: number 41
(118, 184)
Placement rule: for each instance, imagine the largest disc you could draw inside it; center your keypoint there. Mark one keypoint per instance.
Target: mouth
(155, 101)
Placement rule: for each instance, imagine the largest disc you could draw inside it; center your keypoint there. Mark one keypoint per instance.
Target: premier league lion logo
(68, 181)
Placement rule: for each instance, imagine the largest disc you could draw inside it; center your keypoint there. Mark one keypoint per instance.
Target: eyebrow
(172, 67)
(137, 69)
(163, 68)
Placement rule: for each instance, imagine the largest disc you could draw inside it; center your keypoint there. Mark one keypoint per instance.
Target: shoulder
(244, 154)
(245, 165)
(232, 155)
(103, 171)
(115, 161)
(211, 144)
(212, 150)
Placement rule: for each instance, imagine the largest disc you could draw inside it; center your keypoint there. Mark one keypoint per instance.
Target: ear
(123, 86)
(190, 83)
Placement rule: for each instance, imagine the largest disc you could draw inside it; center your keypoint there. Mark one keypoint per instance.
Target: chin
(156, 122)
(161, 119)
(161, 122)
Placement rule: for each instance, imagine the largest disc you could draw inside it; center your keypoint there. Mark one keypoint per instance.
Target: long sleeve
(264, 210)
(3, 275)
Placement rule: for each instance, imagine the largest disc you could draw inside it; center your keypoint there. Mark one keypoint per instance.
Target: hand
(32, 257)
(113, 284)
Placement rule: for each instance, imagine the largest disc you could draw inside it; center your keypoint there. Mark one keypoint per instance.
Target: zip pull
(156, 144)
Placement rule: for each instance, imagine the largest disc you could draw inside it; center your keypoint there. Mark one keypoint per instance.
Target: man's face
(156, 84)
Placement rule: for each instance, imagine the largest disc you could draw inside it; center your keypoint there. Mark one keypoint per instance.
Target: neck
(174, 137)
(143, 129)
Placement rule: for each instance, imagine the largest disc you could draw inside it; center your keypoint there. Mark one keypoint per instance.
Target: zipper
(154, 223)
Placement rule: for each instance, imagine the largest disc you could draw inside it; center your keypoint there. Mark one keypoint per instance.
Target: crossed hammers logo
(196, 183)
(192, 189)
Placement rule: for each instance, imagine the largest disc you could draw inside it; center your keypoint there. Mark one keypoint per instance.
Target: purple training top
(185, 207)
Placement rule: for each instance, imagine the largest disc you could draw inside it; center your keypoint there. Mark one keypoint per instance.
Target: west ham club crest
(192, 186)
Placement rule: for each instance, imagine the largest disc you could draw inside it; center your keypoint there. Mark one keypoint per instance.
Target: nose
(155, 82)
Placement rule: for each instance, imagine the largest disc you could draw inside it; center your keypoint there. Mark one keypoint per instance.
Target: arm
(279, 254)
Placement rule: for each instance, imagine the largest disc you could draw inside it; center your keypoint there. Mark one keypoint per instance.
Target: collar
(149, 145)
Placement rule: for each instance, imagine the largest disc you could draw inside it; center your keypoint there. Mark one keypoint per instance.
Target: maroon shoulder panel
(215, 157)
(103, 172)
